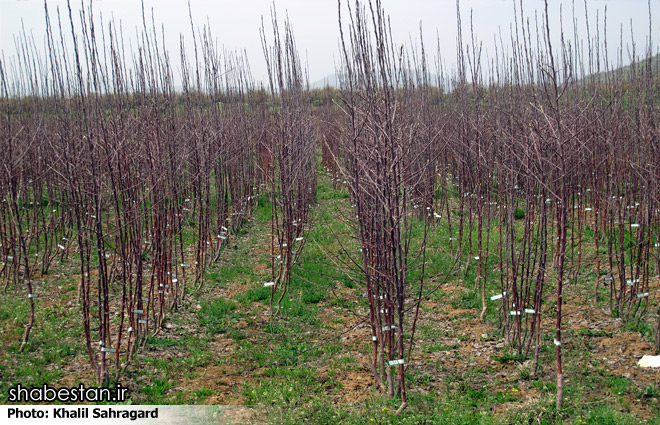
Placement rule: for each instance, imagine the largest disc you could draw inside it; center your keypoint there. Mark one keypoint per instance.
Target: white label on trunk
(269, 284)
(498, 296)
(530, 311)
(395, 362)
(642, 295)
(557, 343)
(108, 350)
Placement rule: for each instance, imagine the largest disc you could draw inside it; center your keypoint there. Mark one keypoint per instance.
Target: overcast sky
(236, 23)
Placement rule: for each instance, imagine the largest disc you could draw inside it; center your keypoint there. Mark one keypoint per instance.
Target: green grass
(157, 391)
(257, 294)
(509, 357)
(54, 340)
(202, 394)
(215, 315)
(284, 387)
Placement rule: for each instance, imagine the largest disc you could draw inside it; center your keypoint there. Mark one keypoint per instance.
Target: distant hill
(329, 80)
(627, 71)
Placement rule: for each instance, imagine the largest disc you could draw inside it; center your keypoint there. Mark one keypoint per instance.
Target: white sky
(236, 23)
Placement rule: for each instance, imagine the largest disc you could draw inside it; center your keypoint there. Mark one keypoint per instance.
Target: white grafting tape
(649, 361)
(498, 296)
